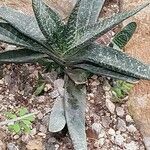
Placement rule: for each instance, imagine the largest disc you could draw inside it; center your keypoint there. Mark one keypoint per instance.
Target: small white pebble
(120, 111)
(132, 128)
(111, 132)
(129, 118)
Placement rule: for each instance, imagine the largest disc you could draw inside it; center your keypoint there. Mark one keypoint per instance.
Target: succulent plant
(46, 38)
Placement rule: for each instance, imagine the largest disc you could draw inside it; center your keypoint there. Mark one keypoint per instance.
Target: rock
(131, 146)
(139, 97)
(25, 138)
(101, 141)
(12, 146)
(16, 137)
(1, 82)
(106, 121)
(41, 99)
(129, 119)
(132, 128)
(40, 116)
(48, 87)
(45, 120)
(33, 132)
(120, 111)
(110, 106)
(121, 126)
(119, 140)
(2, 145)
(35, 144)
(147, 142)
(111, 132)
(97, 127)
(43, 129)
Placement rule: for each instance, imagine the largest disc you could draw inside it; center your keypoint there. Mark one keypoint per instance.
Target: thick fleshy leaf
(23, 23)
(48, 20)
(57, 117)
(123, 37)
(104, 25)
(72, 25)
(20, 56)
(75, 104)
(80, 79)
(105, 72)
(11, 35)
(112, 59)
(89, 12)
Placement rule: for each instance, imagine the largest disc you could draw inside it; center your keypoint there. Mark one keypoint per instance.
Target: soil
(106, 129)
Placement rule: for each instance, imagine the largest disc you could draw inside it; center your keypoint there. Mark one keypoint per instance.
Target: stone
(25, 138)
(121, 126)
(119, 140)
(139, 97)
(129, 119)
(2, 145)
(110, 106)
(12, 146)
(131, 146)
(97, 127)
(101, 141)
(111, 132)
(35, 144)
(120, 111)
(132, 128)
(43, 129)
(48, 87)
(147, 142)
(41, 99)
(16, 137)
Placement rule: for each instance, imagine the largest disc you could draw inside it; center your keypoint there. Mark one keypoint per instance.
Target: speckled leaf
(72, 25)
(105, 72)
(123, 37)
(24, 23)
(89, 12)
(20, 56)
(48, 20)
(115, 60)
(100, 28)
(11, 35)
(57, 117)
(75, 104)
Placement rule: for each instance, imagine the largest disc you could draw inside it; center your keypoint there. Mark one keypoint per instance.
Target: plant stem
(17, 119)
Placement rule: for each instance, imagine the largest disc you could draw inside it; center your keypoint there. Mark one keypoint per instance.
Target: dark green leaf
(72, 25)
(114, 60)
(106, 72)
(23, 23)
(48, 20)
(75, 104)
(89, 12)
(57, 117)
(39, 89)
(20, 56)
(17, 38)
(100, 28)
(123, 37)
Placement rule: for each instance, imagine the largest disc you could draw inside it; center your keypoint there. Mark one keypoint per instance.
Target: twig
(17, 119)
